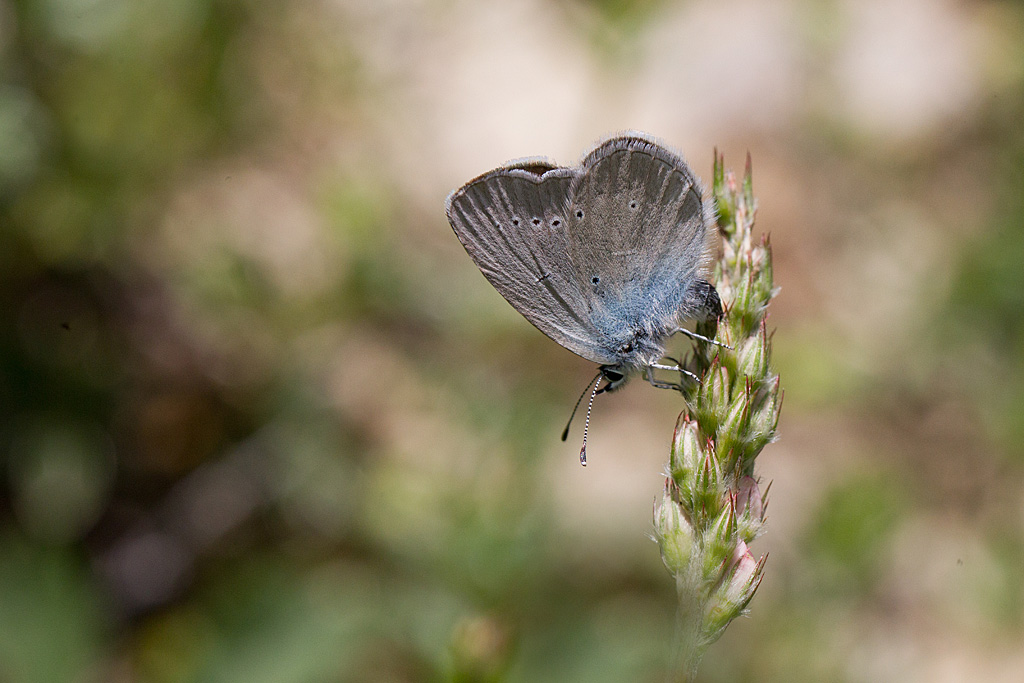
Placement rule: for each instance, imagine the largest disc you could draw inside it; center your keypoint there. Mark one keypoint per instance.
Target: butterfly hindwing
(637, 231)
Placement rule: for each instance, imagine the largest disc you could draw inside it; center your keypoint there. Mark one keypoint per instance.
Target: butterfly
(604, 257)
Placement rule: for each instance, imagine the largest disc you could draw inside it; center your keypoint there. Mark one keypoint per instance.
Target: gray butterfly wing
(512, 222)
(637, 232)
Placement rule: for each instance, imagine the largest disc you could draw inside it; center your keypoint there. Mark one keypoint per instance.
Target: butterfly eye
(632, 205)
(579, 213)
(595, 279)
(515, 221)
(556, 222)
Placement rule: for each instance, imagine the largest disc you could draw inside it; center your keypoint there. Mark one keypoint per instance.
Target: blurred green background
(262, 420)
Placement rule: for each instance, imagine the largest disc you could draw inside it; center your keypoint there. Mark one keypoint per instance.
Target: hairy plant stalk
(713, 506)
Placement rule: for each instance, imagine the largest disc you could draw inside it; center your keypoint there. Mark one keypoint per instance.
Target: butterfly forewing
(513, 223)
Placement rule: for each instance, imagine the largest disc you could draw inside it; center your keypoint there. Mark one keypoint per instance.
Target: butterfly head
(639, 348)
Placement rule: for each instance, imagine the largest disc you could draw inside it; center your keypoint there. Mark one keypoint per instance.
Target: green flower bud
(732, 437)
(719, 542)
(718, 385)
(673, 533)
(734, 593)
(708, 489)
(765, 420)
(749, 509)
(687, 456)
(752, 357)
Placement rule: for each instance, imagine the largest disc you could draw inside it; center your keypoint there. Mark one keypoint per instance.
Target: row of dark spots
(558, 221)
(536, 221)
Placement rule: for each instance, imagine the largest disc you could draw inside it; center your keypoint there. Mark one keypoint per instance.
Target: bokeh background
(262, 420)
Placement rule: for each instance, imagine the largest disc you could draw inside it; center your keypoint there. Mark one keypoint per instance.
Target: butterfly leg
(674, 368)
(658, 384)
(700, 337)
